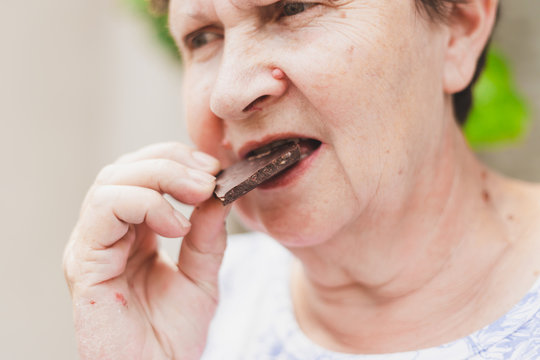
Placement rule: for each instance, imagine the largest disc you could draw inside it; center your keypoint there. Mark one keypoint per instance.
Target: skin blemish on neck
(121, 299)
(510, 217)
(484, 175)
(486, 196)
(92, 302)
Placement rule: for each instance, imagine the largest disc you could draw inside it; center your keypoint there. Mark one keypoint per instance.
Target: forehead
(191, 7)
(186, 14)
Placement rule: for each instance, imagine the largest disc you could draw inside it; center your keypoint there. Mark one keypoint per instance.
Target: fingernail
(201, 177)
(181, 219)
(204, 159)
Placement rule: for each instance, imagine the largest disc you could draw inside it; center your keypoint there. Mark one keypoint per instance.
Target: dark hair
(437, 11)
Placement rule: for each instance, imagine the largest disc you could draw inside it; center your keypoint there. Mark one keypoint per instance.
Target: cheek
(374, 95)
(204, 128)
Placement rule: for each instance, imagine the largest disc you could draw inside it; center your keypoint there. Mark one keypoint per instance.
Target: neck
(409, 276)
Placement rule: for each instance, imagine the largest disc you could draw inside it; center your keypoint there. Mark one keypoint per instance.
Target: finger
(87, 266)
(111, 208)
(202, 249)
(177, 152)
(188, 185)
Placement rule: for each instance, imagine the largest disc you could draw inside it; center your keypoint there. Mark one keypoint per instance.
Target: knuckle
(101, 197)
(167, 171)
(116, 267)
(105, 174)
(155, 200)
(69, 266)
(164, 165)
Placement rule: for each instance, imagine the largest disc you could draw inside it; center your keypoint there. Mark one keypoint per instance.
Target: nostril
(252, 105)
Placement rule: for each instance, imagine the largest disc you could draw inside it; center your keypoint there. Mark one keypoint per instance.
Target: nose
(247, 81)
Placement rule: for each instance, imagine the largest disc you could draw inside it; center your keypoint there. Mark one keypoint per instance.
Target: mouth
(307, 146)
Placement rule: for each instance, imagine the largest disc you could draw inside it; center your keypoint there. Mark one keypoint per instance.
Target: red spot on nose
(278, 74)
(121, 299)
(92, 302)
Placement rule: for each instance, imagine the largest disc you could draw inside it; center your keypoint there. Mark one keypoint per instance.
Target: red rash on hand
(121, 299)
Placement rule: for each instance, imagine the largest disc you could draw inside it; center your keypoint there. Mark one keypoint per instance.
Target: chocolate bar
(246, 175)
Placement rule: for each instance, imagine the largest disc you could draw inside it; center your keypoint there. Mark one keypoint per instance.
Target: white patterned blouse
(255, 319)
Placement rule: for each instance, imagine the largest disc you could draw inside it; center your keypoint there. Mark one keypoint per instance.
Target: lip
(291, 174)
(255, 144)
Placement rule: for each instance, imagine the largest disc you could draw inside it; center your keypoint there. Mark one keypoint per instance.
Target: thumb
(203, 247)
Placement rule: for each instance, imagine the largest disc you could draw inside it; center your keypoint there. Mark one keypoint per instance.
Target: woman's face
(362, 77)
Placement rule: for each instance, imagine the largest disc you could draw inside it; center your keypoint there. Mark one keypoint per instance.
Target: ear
(470, 25)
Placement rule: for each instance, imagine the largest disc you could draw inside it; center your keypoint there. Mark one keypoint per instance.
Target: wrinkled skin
(390, 211)
(347, 66)
(125, 293)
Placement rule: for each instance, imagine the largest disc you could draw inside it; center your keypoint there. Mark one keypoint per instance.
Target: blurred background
(82, 82)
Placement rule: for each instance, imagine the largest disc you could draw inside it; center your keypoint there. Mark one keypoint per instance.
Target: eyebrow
(197, 15)
(252, 3)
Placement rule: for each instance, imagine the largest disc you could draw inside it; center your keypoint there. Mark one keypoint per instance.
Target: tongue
(307, 147)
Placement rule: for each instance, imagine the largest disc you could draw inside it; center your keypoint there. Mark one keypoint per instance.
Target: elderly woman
(388, 240)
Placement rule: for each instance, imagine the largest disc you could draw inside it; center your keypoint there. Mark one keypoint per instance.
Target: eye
(294, 8)
(201, 38)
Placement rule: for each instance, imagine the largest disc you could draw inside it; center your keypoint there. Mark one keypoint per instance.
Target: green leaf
(500, 113)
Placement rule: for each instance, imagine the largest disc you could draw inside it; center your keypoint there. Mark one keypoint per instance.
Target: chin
(292, 226)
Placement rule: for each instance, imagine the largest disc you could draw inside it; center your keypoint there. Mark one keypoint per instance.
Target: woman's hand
(131, 302)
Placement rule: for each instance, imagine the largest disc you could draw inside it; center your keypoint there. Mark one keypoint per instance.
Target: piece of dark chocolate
(247, 174)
